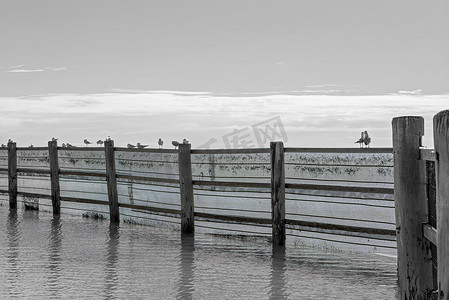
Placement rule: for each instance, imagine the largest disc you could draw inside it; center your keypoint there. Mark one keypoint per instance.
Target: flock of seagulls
(364, 139)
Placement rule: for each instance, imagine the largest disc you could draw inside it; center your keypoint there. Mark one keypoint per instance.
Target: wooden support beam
(441, 140)
(414, 261)
(12, 175)
(111, 179)
(277, 193)
(54, 177)
(186, 188)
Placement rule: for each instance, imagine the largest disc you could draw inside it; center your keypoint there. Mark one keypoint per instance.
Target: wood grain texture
(441, 140)
(277, 193)
(12, 175)
(111, 179)
(54, 177)
(414, 258)
(186, 188)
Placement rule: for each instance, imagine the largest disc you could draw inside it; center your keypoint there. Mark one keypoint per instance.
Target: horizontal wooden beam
(34, 195)
(339, 188)
(231, 151)
(150, 150)
(232, 184)
(147, 179)
(33, 171)
(151, 208)
(82, 173)
(340, 150)
(32, 149)
(84, 200)
(430, 233)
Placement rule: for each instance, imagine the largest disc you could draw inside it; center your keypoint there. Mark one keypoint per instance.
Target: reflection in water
(277, 273)
(54, 251)
(186, 288)
(13, 232)
(111, 279)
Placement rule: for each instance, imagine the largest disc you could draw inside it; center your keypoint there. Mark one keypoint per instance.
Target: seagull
(140, 146)
(9, 141)
(184, 141)
(160, 143)
(361, 139)
(54, 139)
(366, 139)
(31, 146)
(3, 146)
(175, 143)
(64, 145)
(87, 142)
(99, 142)
(69, 145)
(131, 146)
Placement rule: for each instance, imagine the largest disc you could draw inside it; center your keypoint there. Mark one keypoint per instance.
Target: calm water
(67, 257)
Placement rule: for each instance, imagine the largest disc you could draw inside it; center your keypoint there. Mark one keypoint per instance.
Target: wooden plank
(82, 173)
(414, 261)
(234, 219)
(186, 189)
(339, 188)
(231, 151)
(232, 184)
(148, 150)
(427, 154)
(441, 140)
(111, 179)
(33, 171)
(12, 175)
(54, 177)
(430, 233)
(32, 149)
(34, 195)
(277, 193)
(151, 208)
(81, 149)
(147, 179)
(339, 150)
(84, 200)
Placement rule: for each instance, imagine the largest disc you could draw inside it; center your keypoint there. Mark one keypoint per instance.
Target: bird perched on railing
(54, 139)
(361, 139)
(184, 141)
(87, 142)
(131, 146)
(31, 146)
(175, 143)
(99, 142)
(64, 145)
(160, 143)
(366, 139)
(140, 146)
(3, 146)
(68, 145)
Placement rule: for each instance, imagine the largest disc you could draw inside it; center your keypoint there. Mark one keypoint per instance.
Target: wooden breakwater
(334, 198)
(422, 207)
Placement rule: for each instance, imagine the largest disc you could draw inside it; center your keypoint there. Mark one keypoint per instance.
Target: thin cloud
(415, 92)
(18, 69)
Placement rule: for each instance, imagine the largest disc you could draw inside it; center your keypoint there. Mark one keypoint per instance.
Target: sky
(252, 54)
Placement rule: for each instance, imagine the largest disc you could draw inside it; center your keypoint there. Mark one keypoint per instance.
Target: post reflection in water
(13, 233)
(186, 287)
(54, 251)
(277, 273)
(111, 279)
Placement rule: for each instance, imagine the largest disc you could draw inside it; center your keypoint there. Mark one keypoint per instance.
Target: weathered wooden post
(54, 177)
(186, 188)
(277, 193)
(441, 140)
(12, 174)
(414, 258)
(111, 179)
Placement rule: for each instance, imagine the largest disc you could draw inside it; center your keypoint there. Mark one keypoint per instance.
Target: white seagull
(160, 143)
(140, 146)
(361, 139)
(367, 139)
(87, 142)
(184, 141)
(99, 142)
(131, 146)
(175, 143)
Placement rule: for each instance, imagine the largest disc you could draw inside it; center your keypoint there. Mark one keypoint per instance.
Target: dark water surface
(71, 257)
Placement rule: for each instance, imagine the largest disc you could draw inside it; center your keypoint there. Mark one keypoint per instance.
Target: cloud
(19, 69)
(415, 92)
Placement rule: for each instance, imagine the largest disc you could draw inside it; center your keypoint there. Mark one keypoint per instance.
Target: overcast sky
(311, 47)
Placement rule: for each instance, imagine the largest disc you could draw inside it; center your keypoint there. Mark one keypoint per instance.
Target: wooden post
(54, 177)
(441, 140)
(12, 175)
(111, 178)
(277, 193)
(186, 189)
(414, 258)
